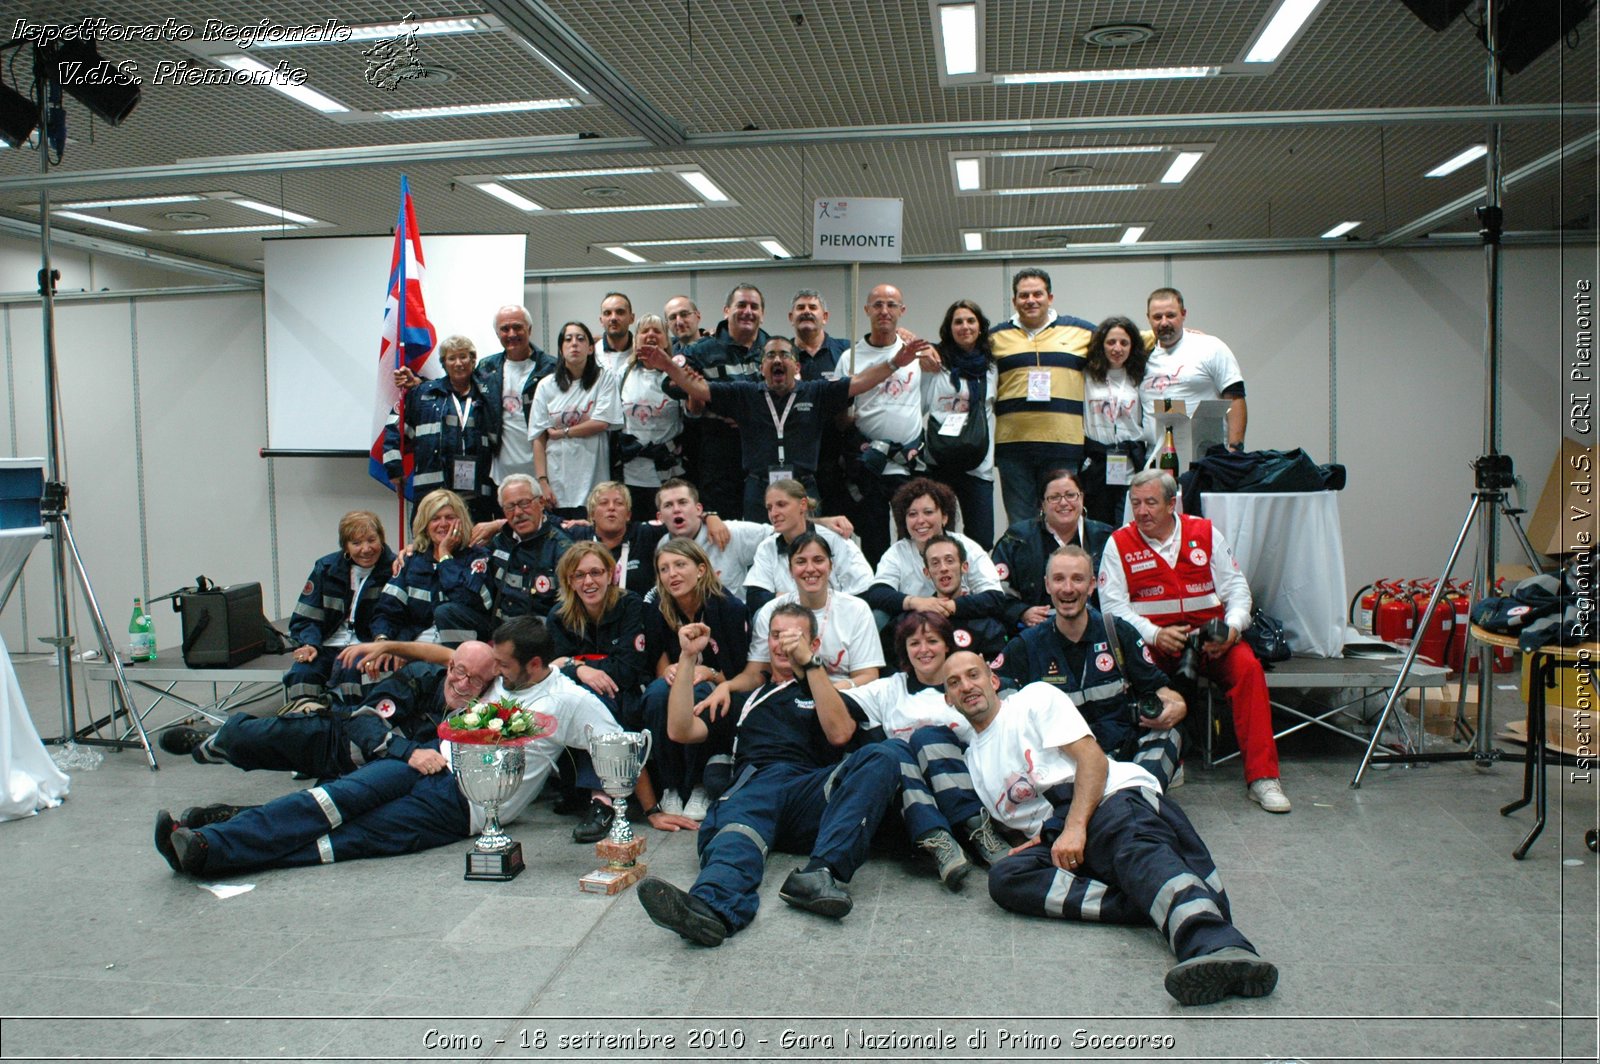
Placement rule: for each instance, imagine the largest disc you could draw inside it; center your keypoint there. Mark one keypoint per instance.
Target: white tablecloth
(32, 781)
(1289, 546)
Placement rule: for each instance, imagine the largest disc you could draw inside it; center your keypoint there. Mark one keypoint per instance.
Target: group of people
(1015, 707)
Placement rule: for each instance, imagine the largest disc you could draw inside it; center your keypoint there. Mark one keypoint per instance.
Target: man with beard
(1190, 366)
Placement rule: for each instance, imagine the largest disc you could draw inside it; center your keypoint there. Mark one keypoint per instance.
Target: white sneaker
(1268, 794)
(672, 803)
(698, 804)
(1177, 780)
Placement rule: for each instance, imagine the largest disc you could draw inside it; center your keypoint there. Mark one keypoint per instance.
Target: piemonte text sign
(856, 230)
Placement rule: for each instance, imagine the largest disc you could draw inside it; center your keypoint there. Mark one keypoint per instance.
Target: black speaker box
(222, 627)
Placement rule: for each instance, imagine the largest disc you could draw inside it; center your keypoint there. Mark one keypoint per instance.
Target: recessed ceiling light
(131, 201)
(1065, 188)
(695, 240)
(972, 241)
(1050, 77)
(623, 253)
(1185, 162)
(777, 250)
(505, 195)
(1053, 228)
(215, 230)
(1108, 149)
(1456, 162)
(1132, 234)
(1280, 30)
(1339, 230)
(969, 174)
(186, 216)
(701, 183)
(502, 107)
(599, 171)
(428, 27)
(621, 208)
(265, 75)
(276, 212)
(1120, 35)
(107, 222)
(958, 30)
(706, 262)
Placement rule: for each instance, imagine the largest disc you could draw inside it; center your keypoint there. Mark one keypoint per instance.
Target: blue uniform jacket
(410, 598)
(436, 440)
(325, 600)
(522, 572)
(398, 715)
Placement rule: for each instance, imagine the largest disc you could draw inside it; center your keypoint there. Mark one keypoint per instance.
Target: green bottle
(141, 634)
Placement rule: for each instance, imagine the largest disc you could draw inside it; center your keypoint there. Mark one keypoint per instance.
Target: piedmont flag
(408, 335)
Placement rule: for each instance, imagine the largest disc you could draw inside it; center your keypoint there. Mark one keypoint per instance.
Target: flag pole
(402, 242)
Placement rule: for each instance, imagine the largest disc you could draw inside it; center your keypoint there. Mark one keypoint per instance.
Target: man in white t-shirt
(1189, 366)
(616, 333)
(889, 416)
(512, 375)
(1039, 771)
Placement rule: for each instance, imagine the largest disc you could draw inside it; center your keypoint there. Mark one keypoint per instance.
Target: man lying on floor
(1102, 837)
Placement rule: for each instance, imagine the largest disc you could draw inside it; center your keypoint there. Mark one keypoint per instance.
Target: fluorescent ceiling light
(623, 253)
(132, 201)
(972, 241)
(623, 208)
(680, 243)
(705, 262)
(276, 212)
(958, 28)
(272, 80)
(1069, 188)
(599, 171)
(1186, 161)
(1456, 162)
(1053, 228)
(1281, 28)
(1132, 234)
(1110, 149)
(969, 174)
(707, 188)
(502, 107)
(213, 230)
(107, 222)
(1050, 77)
(1339, 230)
(505, 195)
(429, 27)
(775, 249)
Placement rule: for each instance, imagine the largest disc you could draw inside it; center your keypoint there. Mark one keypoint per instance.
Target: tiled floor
(1401, 925)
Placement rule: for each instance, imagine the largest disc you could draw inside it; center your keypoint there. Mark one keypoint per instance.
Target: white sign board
(856, 230)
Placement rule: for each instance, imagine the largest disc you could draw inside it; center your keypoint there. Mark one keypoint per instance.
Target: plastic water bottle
(141, 634)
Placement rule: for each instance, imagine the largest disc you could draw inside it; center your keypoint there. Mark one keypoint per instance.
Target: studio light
(18, 117)
(94, 81)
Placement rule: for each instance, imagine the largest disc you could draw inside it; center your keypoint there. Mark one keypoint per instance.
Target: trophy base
(611, 880)
(619, 855)
(495, 867)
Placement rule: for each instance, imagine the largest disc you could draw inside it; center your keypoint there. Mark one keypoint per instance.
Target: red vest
(1165, 594)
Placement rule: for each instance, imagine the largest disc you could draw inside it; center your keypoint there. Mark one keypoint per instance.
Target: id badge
(463, 473)
(1118, 470)
(953, 424)
(779, 472)
(1038, 386)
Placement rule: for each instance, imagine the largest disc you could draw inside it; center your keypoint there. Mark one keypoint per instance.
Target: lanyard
(462, 414)
(756, 700)
(779, 422)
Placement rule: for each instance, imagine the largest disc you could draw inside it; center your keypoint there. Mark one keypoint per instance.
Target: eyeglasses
(1063, 496)
(520, 504)
(590, 574)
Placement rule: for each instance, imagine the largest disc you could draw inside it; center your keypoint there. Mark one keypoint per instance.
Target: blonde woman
(440, 570)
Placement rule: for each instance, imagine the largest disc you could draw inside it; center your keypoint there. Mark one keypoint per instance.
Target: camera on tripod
(1213, 631)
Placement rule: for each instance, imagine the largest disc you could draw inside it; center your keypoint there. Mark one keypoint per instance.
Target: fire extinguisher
(1363, 606)
(1395, 617)
(1434, 641)
(1458, 595)
(1504, 659)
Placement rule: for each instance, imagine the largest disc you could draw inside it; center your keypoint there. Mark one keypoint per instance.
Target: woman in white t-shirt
(1113, 418)
(652, 421)
(850, 650)
(573, 410)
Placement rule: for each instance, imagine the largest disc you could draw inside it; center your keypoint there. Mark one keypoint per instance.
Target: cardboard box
(1438, 706)
(1194, 432)
(1565, 515)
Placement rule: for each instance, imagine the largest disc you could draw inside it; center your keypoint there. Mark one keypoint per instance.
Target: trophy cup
(618, 758)
(488, 775)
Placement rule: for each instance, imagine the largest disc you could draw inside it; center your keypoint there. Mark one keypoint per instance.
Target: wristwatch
(812, 664)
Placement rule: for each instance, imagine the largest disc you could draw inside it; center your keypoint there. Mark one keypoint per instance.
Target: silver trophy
(618, 759)
(488, 775)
